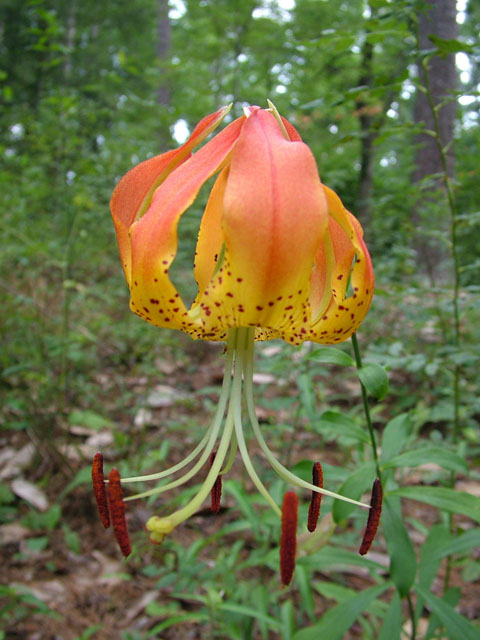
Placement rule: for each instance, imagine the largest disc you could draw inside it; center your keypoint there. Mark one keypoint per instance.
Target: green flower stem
(366, 407)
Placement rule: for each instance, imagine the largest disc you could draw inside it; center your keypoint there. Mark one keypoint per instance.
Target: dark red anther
(373, 517)
(98, 481)
(216, 492)
(288, 541)
(314, 509)
(117, 512)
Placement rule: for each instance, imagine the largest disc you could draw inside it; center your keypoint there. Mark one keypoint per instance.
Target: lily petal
(337, 320)
(133, 193)
(274, 217)
(154, 236)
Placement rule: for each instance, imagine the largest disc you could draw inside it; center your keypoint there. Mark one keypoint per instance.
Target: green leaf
(331, 355)
(446, 46)
(343, 426)
(287, 616)
(430, 556)
(456, 625)
(375, 379)
(249, 611)
(89, 419)
(444, 499)
(462, 544)
(443, 457)
(403, 564)
(395, 436)
(392, 621)
(307, 395)
(84, 476)
(337, 620)
(241, 498)
(353, 487)
(304, 584)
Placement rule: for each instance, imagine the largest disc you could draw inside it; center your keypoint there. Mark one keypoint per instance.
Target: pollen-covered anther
(314, 509)
(98, 481)
(117, 512)
(216, 492)
(288, 541)
(373, 518)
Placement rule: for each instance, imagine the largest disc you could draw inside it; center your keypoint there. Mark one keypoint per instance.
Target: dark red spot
(289, 307)
(259, 308)
(229, 294)
(340, 277)
(239, 279)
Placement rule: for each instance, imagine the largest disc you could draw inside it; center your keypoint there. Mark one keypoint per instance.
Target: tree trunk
(163, 53)
(163, 50)
(439, 19)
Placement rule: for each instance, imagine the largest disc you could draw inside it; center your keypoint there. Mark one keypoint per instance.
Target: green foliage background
(79, 85)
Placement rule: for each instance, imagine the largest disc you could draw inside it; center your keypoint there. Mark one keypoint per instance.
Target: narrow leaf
(403, 564)
(444, 499)
(392, 621)
(456, 625)
(395, 436)
(353, 487)
(444, 458)
(343, 426)
(337, 620)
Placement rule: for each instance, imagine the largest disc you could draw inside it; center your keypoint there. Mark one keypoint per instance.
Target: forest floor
(82, 587)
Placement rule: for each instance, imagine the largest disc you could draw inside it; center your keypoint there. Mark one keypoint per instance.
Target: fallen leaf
(30, 492)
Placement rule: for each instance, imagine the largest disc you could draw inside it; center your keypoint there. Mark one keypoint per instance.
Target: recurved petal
(210, 236)
(338, 314)
(274, 216)
(133, 193)
(154, 236)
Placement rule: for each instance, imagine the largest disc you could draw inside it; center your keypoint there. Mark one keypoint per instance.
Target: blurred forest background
(386, 94)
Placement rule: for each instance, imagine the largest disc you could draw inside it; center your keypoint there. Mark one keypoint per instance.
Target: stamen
(117, 512)
(314, 509)
(288, 541)
(216, 491)
(98, 481)
(373, 517)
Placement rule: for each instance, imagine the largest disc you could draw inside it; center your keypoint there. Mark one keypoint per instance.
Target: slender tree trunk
(163, 54)
(365, 114)
(163, 50)
(439, 19)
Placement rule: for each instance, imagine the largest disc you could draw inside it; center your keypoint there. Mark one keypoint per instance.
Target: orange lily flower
(278, 256)
(275, 247)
